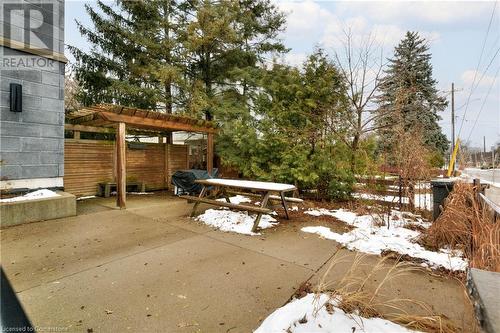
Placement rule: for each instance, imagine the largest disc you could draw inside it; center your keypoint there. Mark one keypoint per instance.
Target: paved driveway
(151, 269)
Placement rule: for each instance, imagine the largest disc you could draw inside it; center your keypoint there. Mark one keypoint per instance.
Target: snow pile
(310, 315)
(371, 237)
(237, 199)
(40, 194)
(239, 222)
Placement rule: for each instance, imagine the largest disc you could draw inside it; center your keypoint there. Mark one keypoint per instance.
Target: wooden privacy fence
(90, 162)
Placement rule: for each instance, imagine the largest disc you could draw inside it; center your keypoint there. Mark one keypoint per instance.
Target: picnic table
(262, 190)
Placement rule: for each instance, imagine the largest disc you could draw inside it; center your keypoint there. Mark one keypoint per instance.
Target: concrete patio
(152, 269)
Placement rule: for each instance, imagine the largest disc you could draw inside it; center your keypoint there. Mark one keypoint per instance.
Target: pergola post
(121, 173)
(210, 153)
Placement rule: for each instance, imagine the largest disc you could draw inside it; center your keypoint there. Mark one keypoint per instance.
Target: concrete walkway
(151, 269)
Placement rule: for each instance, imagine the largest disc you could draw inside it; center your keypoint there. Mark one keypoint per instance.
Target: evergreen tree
(409, 98)
(174, 55)
(135, 58)
(287, 136)
(225, 42)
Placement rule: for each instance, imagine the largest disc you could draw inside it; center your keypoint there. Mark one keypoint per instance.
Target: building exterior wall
(32, 141)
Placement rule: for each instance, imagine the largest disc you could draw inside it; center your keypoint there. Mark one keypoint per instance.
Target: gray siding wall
(32, 141)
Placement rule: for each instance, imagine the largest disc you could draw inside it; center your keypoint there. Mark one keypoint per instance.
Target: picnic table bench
(223, 188)
(104, 189)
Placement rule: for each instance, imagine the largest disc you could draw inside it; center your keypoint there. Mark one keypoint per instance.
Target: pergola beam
(156, 124)
(107, 115)
(90, 129)
(112, 130)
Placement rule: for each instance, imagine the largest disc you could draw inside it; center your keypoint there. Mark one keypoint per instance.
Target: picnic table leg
(220, 192)
(202, 194)
(224, 193)
(283, 201)
(263, 204)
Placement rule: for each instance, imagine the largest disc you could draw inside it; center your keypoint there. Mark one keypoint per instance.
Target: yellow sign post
(451, 166)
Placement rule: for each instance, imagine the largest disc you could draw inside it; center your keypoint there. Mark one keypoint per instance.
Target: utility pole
(452, 126)
(484, 150)
(452, 115)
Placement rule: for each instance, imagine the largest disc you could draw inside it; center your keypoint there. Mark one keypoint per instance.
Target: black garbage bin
(441, 187)
(184, 180)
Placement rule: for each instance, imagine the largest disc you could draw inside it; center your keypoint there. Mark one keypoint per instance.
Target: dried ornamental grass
(354, 296)
(466, 225)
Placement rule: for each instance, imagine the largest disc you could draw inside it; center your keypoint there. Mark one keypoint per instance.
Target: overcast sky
(456, 32)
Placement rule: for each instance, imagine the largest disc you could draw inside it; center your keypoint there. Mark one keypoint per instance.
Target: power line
(478, 64)
(484, 102)
(487, 67)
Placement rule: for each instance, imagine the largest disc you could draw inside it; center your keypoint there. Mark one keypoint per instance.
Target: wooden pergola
(108, 118)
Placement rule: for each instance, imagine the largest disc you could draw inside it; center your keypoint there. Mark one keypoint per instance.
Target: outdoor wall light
(16, 97)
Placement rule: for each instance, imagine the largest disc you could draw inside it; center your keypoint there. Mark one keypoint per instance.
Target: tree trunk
(207, 79)
(354, 149)
(357, 136)
(168, 58)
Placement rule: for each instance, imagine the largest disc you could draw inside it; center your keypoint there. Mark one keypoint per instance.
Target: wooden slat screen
(147, 165)
(86, 163)
(177, 159)
(89, 162)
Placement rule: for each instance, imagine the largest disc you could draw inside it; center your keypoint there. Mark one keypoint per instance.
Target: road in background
(491, 176)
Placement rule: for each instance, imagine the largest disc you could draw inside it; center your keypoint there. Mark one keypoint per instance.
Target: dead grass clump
(356, 293)
(467, 226)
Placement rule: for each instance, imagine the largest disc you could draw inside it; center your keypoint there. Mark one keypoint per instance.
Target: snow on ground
(418, 186)
(39, 194)
(423, 201)
(239, 222)
(371, 237)
(236, 199)
(310, 315)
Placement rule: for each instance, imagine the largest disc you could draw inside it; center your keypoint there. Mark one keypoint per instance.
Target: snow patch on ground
(236, 199)
(371, 237)
(39, 194)
(290, 318)
(239, 222)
